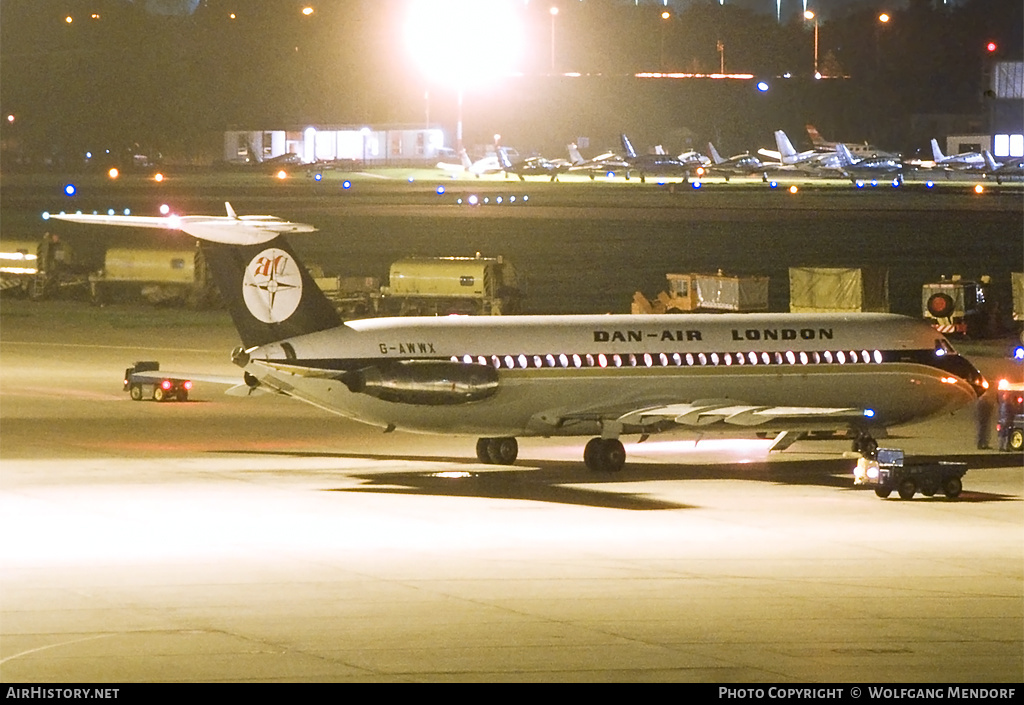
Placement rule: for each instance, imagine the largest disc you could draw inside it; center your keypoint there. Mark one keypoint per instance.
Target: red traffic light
(991, 47)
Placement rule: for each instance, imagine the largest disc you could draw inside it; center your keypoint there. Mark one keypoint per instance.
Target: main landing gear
(497, 451)
(600, 454)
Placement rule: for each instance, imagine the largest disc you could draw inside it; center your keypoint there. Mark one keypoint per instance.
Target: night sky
(172, 75)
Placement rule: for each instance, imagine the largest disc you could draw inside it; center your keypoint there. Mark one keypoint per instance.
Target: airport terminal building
(381, 145)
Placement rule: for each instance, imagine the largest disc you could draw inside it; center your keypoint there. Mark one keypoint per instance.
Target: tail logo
(272, 286)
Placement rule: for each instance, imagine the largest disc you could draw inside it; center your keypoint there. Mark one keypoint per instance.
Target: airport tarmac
(233, 539)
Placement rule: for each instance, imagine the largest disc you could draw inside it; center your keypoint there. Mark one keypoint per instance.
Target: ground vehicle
(838, 289)
(144, 379)
(430, 286)
(160, 274)
(1010, 421)
(706, 292)
(956, 306)
(890, 471)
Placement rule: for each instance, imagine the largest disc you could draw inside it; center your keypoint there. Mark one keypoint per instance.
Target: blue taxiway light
(440, 189)
(346, 184)
(70, 190)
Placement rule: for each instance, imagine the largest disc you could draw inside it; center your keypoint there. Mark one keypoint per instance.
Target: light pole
(883, 19)
(808, 15)
(554, 14)
(665, 17)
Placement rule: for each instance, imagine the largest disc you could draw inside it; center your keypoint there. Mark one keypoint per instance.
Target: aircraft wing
(130, 221)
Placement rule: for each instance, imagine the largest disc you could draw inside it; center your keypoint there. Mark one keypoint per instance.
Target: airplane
(604, 376)
(964, 160)
(658, 164)
(532, 166)
(858, 149)
(812, 159)
(868, 167)
(607, 163)
(487, 165)
(1010, 170)
(745, 164)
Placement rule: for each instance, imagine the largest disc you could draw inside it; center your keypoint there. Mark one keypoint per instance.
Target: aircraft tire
(1016, 440)
(158, 393)
(482, 453)
(502, 451)
(952, 487)
(135, 391)
(883, 492)
(604, 455)
(907, 489)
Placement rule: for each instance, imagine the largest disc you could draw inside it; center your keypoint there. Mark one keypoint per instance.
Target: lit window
(576, 361)
(779, 359)
(865, 356)
(664, 359)
(766, 358)
(752, 358)
(590, 360)
(550, 359)
(563, 360)
(602, 360)
(727, 359)
(689, 359)
(714, 358)
(878, 356)
(632, 360)
(617, 360)
(828, 355)
(678, 359)
(647, 360)
(482, 360)
(538, 361)
(702, 358)
(841, 357)
(790, 357)
(740, 359)
(523, 362)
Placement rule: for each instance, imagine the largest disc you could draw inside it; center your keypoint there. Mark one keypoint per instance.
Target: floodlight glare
(474, 57)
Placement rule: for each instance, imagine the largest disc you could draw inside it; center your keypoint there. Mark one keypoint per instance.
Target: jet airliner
(604, 376)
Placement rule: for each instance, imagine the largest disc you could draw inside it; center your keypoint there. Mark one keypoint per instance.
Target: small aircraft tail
(816, 139)
(845, 155)
(269, 293)
(786, 148)
(715, 156)
(937, 154)
(627, 146)
(574, 154)
(990, 162)
(467, 163)
(503, 161)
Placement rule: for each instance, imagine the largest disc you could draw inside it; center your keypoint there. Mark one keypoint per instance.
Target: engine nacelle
(424, 382)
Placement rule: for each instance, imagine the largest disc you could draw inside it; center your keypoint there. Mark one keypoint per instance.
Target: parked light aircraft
(607, 163)
(657, 164)
(868, 167)
(744, 164)
(860, 150)
(576, 375)
(811, 159)
(1010, 170)
(487, 165)
(532, 166)
(964, 160)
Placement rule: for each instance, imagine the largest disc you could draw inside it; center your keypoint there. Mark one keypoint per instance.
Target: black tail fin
(268, 292)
